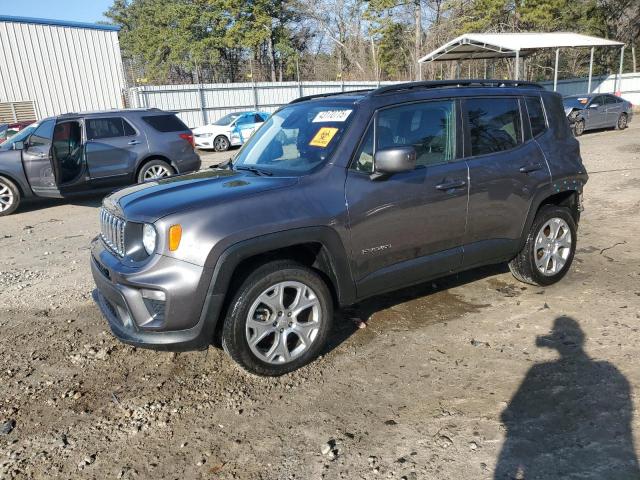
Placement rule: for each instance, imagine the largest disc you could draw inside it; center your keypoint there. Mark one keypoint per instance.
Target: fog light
(154, 295)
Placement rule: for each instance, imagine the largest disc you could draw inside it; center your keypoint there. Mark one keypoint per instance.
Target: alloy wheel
(579, 128)
(283, 322)
(553, 246)
(220, 144)
(155, 172)
(6, 197)
(622, 122)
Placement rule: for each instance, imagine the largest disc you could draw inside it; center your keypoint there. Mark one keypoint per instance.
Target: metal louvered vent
(13, 112)
(112, 232)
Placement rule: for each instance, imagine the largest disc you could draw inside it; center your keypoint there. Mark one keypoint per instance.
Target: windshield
(227, 119)
(575, 102)
(296, 139)
(20, 136)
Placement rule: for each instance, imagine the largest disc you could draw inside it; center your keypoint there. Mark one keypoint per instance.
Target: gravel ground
(474, 376)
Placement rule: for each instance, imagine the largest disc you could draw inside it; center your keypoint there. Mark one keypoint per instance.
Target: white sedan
(231, 130)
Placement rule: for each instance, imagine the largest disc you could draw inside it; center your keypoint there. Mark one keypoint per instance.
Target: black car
(78, 153)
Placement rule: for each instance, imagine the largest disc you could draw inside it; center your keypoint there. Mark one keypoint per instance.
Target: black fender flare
(225, 264)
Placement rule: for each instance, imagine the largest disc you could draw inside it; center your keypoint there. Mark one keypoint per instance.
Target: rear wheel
(621, 124)
(578, 128)
(154, 170)
(9, 197)
(549, 249)
(279, 319)
(221, 143)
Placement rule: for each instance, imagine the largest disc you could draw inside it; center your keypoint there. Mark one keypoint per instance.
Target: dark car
(337, 198)
(589, 112)
(78, 153)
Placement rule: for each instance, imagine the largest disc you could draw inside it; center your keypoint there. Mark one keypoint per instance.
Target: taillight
(188, 137)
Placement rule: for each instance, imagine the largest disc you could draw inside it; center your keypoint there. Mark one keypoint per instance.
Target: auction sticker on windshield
(323, 137)
(332, 116)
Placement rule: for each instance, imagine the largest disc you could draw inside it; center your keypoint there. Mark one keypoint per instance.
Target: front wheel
(578, 128)
(279, 319)
(549, 248)
(221, 143)
(9, 197)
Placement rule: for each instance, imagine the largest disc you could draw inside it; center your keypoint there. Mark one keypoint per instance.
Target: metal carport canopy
(474, 46)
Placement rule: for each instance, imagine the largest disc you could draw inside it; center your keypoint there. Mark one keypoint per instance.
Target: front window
(296, 139)
(21, 136)
(226, 120)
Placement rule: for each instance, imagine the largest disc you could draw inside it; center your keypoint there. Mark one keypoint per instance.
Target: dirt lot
(456, 379)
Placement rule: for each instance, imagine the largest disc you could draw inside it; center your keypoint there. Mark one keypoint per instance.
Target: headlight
(149, 237)
(205, 135)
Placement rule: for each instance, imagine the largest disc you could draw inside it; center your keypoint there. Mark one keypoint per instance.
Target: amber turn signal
(175, 235)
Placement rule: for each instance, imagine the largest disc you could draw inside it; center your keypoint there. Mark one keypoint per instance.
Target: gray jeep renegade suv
(334, 199)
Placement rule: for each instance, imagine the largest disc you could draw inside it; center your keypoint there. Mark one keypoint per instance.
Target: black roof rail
(330, 94)
(398, 87)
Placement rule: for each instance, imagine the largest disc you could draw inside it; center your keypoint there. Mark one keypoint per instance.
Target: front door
(38, 161)
(408, 227)
(505, 170)
(112, 149)
(596, 113)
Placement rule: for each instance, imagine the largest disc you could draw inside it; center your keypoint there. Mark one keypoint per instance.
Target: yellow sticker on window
(323, 137)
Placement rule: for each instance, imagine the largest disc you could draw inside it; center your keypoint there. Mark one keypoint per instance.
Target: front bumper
(128, 298)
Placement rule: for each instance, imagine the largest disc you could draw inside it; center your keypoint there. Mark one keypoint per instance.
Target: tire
(9, 197)
(221, 143)
(621, 124)
(578, 128)
(526, 265)
(154, 170)
(250, 319)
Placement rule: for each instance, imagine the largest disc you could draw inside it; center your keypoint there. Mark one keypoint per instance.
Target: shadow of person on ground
(570, 418)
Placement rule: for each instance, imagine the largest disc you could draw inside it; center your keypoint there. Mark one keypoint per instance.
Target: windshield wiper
(255, 170)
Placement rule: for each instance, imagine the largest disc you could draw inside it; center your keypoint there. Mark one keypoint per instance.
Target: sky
(74, 10)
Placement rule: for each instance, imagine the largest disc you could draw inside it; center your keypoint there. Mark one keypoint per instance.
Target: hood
(148, 202)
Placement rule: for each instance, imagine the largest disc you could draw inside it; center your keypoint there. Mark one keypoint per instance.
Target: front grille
(112, 232)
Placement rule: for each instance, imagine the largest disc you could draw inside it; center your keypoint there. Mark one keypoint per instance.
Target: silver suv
(78, 153)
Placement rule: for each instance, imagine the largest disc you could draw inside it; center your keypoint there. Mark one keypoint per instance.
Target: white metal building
(59, 66)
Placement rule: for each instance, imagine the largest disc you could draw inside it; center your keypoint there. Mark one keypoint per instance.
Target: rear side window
(98, 128)
(536, 115)
(494, 124)
(165, 123)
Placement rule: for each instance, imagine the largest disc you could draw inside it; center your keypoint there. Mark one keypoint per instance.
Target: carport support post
(516, 75)
(590, 70)
(619, 86)
(555, 71)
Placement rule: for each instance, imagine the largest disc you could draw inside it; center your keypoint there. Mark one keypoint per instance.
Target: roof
(502, 45)
(58, 23)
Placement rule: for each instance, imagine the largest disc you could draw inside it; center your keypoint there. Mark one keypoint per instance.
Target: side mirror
(394, 160)
(594, 105)
(18, 145)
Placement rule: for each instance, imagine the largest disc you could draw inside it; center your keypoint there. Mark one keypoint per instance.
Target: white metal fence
(201, 104)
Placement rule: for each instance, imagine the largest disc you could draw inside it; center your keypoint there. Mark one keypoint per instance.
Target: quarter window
(536, 115)
(98, 128)
(494, 124)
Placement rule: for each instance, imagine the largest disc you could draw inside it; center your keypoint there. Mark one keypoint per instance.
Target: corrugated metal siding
(62, 69)
(629, 86)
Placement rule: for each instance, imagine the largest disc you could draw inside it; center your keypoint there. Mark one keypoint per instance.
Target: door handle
(133, 142)
(451, 185)
(534, 167)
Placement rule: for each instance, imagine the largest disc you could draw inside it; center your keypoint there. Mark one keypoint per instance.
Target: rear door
(38, 162)
(614, 107)
(506, 167)
(112, 148)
